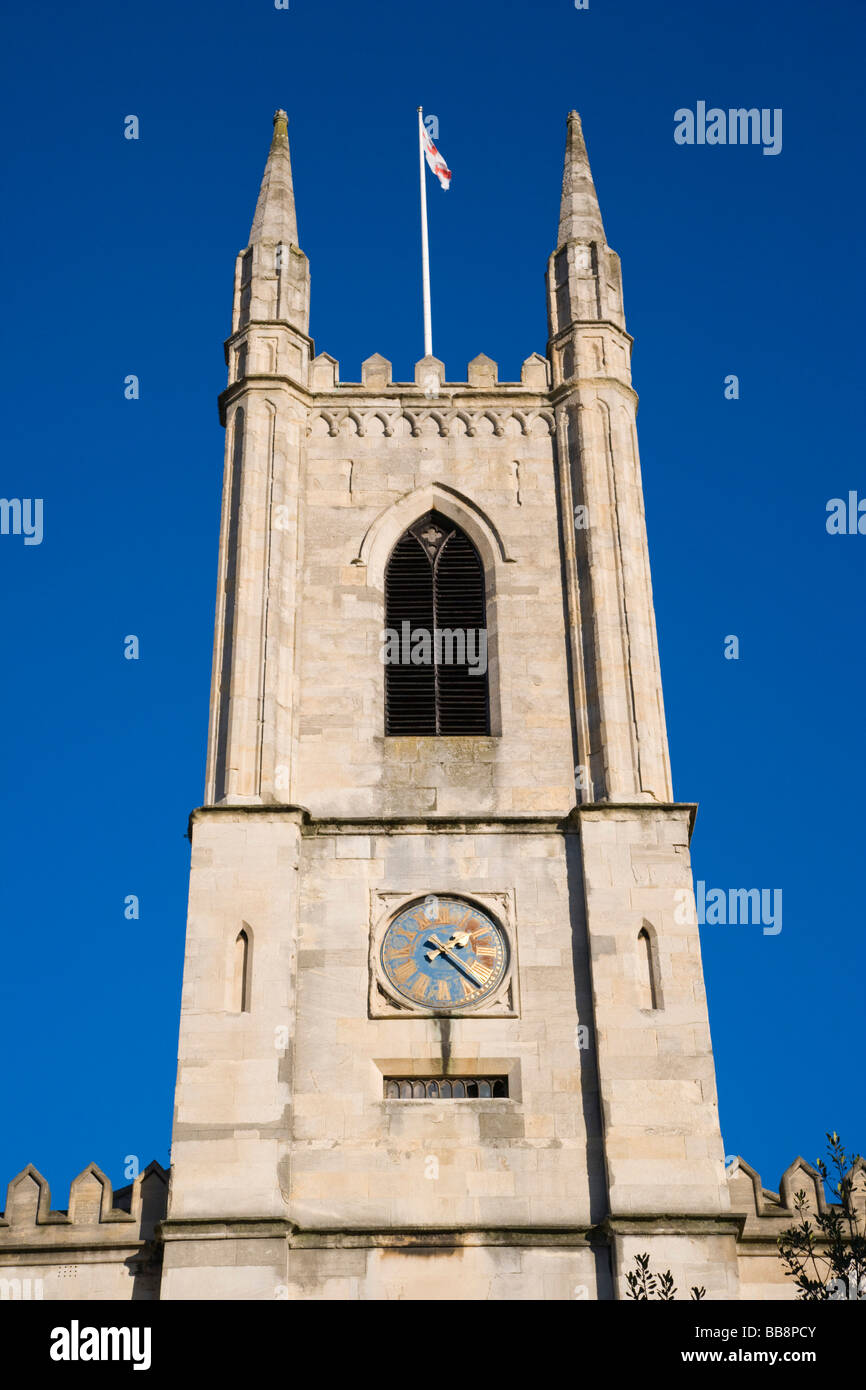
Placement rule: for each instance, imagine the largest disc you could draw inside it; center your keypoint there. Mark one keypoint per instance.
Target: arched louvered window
(435, 648)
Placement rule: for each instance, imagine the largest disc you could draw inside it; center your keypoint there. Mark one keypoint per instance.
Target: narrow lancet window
(648, 992)
(242, 969)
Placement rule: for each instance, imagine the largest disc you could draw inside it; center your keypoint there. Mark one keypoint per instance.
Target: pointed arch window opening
(242, 972)
(435, 585)
(650, 992)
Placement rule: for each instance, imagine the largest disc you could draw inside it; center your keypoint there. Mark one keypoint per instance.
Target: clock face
(443, 953)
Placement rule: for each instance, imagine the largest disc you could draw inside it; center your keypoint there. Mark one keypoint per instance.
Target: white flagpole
(425, 245)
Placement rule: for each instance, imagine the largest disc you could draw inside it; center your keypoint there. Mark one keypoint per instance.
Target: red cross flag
(435, 160)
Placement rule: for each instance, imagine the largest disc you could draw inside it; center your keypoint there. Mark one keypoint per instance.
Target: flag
(435, 160)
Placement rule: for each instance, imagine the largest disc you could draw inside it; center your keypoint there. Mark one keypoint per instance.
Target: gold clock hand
(455, 960)
(458, 938)
(461, 965)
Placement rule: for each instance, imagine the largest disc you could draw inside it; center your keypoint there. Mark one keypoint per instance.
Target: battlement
(96, 1216)
(107, 1246)
(482, 374)
(510, 407)
(478, 407)
(759, 1205)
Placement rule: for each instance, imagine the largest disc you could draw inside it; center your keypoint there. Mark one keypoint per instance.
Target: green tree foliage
(643, 1285)
(825, 1253)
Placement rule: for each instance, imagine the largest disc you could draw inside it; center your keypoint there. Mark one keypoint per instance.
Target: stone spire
(579, 216)
(275, 219)
(272, 283)
(620, 727)
(584, 283)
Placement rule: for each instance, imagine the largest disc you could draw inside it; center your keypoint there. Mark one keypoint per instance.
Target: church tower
(443, 1029)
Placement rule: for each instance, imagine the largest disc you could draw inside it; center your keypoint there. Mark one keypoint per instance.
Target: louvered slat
(462, 703)
(444, 590)
(410, 691)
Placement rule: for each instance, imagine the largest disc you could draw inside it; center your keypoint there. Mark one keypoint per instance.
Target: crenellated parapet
(477, 407)
(103, 1245)
(759, 1205)
(765, 1214)
(480, 389)
(482, 376)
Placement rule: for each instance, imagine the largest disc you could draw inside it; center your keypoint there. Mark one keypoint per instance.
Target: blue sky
(121, 256)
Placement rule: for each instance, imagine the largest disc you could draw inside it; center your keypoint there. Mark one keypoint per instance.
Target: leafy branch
(827, 1259)
(643, 1285)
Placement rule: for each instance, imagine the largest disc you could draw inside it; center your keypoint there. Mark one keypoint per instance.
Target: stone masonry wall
(376, 460)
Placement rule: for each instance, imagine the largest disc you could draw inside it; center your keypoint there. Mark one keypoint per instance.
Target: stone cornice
(408, 1238)
(260, 382)
(387, 825)
(239, 333)
(671, 1223)
(611, 807)
(588, 323)
(455, 825)
(395, 1238)
(359, 1238)
(585, 383)
(352, 402)
(46, 1251)
(486, 822)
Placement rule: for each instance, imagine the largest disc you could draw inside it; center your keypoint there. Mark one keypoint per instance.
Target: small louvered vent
(446, 1088)
(436, 647)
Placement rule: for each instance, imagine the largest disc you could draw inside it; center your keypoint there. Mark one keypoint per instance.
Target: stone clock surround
(387, 904)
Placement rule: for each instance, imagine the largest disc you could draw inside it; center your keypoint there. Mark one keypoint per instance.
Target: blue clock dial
(444, 954)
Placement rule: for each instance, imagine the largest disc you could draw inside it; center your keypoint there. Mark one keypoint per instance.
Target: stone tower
(443, 1033)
